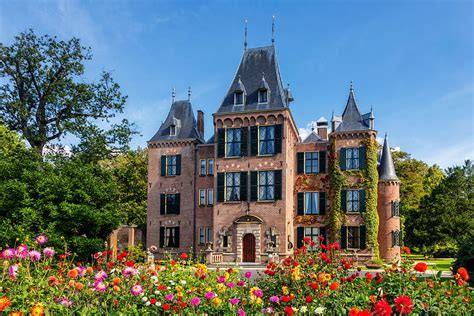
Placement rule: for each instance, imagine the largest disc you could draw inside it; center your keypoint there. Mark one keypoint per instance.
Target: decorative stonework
(242, 230)
(222, 233)
(272, 244)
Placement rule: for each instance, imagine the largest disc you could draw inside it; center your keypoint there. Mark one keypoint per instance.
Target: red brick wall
(387, 192)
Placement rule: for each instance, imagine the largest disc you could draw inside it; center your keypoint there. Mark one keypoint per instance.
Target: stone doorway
(248, 225)
(248, 248)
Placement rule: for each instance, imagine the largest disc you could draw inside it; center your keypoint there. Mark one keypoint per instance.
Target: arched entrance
(248, 248)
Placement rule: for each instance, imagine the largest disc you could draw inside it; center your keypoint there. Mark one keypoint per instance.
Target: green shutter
(178, 165)
(342, 159)
(243, 186)
(244, 139)
(220, 186)
(176, 237)
(220, 142)
(253, 186)
(299, 237)
(300, 163)
(162, 204)
(362, 201)
(278, 138)
(344, 237)
(322, 203)
(362, 233)
(322, 162)
(163, 165)
(177, 201)
(162, 237)
(362, 157)
(278, 184)
(253, 140)
(300, 203)
(344, 200)
(322, 232)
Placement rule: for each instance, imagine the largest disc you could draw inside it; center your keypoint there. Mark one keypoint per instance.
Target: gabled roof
(386, 167)
(352, 119)
(181, 115)
(313, 138)
(256, 61)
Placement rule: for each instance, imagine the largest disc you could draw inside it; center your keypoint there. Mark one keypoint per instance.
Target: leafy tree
(44, 95)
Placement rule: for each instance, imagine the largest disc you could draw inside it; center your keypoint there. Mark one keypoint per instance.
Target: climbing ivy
(336, 183)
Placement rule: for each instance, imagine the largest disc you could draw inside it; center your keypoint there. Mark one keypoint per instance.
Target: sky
(412, 61)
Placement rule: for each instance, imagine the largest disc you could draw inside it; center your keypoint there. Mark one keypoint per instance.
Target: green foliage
(336, 182)
(465, 255)
(136, 253)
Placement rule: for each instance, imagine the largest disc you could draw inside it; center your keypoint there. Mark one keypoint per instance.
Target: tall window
(202, 168)
(352, 158)
(210, 196)
(225, 241)
(353, 201)
(395, 208)
(266, 136)
(202, 236)
(266, 185)
(170, 165)
(232, 142)
(210, 166)
(311, 162)
(232, 186)
(396, 238)
(202, 197)
(263, 96)
(172, 130)
(169, 204)
(171, 237)
(239, 98)
(313, 234)
(311, 203)
(353, 237)
(209, 235)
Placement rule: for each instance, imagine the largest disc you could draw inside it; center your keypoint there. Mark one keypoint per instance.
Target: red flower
(421, 267)
(314, 285)
(166, 307)
(153, 301)
(122, 255)
(403, 305)
(130, 263)
(463, 273)
(288, 310)
(173, 263)
(383, 308)
(406, 250)
(184, 256)
(285, 299)
(307, 240)
(368, 277)
(364, 313)
(334, 286)
(353, 311)
(309, 299)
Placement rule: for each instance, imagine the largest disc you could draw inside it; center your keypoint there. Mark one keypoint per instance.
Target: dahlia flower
(136, 290)
(34, 255)
(41, 239)
(49, 252)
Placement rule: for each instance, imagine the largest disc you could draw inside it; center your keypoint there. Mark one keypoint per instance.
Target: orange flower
(116, 288)
(79, 286)
(334, 286)
(90, 270)
(4, 303)
(406, 250)
(71, 283)
(16, 313)
(463, 273)
(421, 267)
(373, 299)
(353, 311)
(73, 273)
(37, 310)
(116, 281)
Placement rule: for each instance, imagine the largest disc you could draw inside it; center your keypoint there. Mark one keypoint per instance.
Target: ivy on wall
(336, 181)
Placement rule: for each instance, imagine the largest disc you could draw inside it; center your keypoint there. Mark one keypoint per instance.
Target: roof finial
(245, 37)
(173, 95)
(352, 87)
(189, 93)
(273, 30)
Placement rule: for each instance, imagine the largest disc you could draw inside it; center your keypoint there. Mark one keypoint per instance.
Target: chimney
(200, 123)
(322, 128)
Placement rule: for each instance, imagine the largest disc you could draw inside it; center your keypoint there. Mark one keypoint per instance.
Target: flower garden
(38, 280)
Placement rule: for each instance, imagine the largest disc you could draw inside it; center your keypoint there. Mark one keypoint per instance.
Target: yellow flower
(217, 301)
(285, 290)
(324, 277)
(221, 287)
(258, 301)
(227, 276)
(179, 288)
(208, 289)
(37, 310)
(296, 274)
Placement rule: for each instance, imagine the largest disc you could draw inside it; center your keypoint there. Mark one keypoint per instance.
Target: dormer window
(172, 130)
(239, 98)
(263, 96)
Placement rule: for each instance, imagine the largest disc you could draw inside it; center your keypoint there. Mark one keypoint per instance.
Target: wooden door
(249, 248)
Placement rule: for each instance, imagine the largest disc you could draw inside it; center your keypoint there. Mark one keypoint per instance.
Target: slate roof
(182, 116)
(313, 138)
(386, 167)
(352, 119)
(254, 63)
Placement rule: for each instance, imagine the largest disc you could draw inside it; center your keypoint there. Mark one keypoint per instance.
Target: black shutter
(278, 184)
(162, 237)
(342, 159)
(300, 203)
(220, 186)
(344, 237)
(220, 142)
(253, 140)
(163, 165)
(244, 140)
(253, 186)
(322, 162)
(177, 201)
(322, 232)
(344, 200)
(362, 201)
(322, 203)
(278, 138)
(178, 165)
(243, 186)
(299, 237)
(362, 157)
(176, 237)
(162, 204)
(300, 163)
(362, 233)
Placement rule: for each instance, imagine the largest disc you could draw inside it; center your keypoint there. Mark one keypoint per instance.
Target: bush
(465, 256)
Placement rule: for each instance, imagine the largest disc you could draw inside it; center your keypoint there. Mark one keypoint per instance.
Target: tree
(45, 95)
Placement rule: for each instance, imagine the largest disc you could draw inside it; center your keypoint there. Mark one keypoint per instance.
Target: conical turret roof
(386, 167)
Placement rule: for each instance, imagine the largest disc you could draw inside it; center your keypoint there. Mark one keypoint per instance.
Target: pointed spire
(189, 93)
(273, 30)
(289, 95)
(371, 114)
(240, 86)
(351, 109)
(263, 83)
(371, 119)
(173, 95)
(387, 168)
(245, 36)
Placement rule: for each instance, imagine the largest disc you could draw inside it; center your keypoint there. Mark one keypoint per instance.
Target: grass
(433, 263)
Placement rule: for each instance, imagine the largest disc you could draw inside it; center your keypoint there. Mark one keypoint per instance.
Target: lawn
(433, 263)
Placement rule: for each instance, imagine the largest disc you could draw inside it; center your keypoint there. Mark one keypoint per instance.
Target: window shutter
(253, 140)
(162, 237)
(322, 162)
(162, 204)
(362, 201)
(344, 200)
(322, 232)
(177, 201)
(244, 139)
(322, 203)
(253, 186)
(220, 142)
(362, 157)
(176, 238)
(278, 138)
(342, 159)
(220, 186)
(163, 165)
(362, 233)
(178, 165)
(243, 186)
(300, 163)
(300, 203)
(299, 237)
(278, 184)
(343, 237)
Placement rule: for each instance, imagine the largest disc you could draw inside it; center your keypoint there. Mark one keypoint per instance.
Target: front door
(249, 248)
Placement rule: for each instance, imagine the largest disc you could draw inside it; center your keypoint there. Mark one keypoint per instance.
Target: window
(171, 237)
(210, 166)
(239, 98)
(266, 185)
(396, 238)
(232, 142)
(352, 158)
(202, 236)
(210, 196)
(202, 167)
(232, 186)
(263, 96)
(311, 203)
(266, 137)
(313, 234)
(225, 241)
(202, 197)
(209, 235)
(353, 237)
(169, 204)
(171, 165)
(395, 208)
(353, 201)
(172, 130)
(311, 162)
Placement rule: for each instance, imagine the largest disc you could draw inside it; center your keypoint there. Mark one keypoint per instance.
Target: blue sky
(412, 61)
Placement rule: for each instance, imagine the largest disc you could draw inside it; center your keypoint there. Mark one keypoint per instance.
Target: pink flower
(258, 293)
(22, 252)
(221, 279)
(129, 271)
(100, 286)
(41, 239)
(8, 253)
(34, 255)
(230, 285)
(49, 252)
(248, 274)
(234, 301)
(100, 276)
(210, 295)
(66, 302)
(241, 312)
(13, 271)
(241, 283)
(195, 301)
(136, 290)
(274, 299)
(169, 297)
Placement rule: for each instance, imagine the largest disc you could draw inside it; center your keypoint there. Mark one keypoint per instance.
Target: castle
(255, 189)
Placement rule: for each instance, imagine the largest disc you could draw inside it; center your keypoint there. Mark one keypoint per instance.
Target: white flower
(157, 292)
(154, 278)
(158, 304)
(303, 309)
(183, 282)
(147, 303)
(144, 298)
(319, 310)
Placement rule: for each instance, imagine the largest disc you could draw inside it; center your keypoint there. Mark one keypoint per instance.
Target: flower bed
(41, 281)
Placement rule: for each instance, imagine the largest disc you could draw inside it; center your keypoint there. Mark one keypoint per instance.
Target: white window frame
(233, 142)
(170, 233)
(210, 197)
(259, 140)
(233, 186)
(202, 197)
(169, 165)
(312, 236)
(358, 236)
(172, 130)
(266, 185)
(210, 165)
(358, 201)
(317, 212)
(201, 173)
(267, 96)
(209, 237)
(356, 160)
(202, 236)
(235, 98)
(317, 162)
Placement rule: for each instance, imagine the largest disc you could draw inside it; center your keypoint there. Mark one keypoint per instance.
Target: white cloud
(453, 154)
(305, 131)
